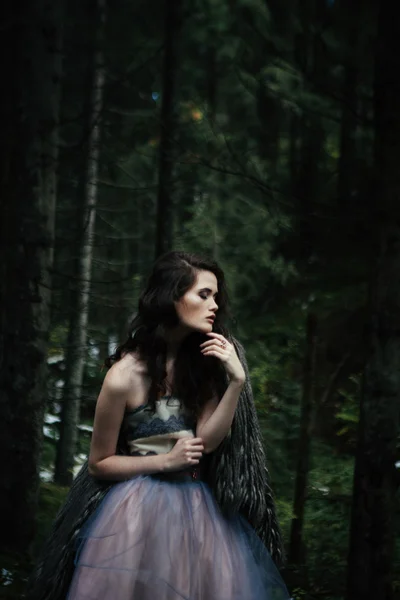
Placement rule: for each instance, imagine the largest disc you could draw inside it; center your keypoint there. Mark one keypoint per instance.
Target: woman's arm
(110, 409)
(121, 468)
(216, 419)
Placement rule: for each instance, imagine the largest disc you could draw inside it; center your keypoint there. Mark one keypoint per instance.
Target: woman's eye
(204, 296)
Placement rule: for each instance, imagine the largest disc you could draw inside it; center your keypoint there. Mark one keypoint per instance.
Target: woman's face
(196, 309)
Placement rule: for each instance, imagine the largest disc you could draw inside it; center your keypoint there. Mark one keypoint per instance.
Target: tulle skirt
(154, 539)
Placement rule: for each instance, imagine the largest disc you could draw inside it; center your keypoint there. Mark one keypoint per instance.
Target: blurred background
(265, 133)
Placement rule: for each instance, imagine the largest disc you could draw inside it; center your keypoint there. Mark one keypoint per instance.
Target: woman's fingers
(196, 451)
(196, 441)
(217, 336)
(215, 342)
(196, 454)
(210, 343)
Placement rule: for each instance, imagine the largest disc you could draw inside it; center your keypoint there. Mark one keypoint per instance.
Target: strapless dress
(163, 537)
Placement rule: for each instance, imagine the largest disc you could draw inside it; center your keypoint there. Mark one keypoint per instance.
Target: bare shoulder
(125, 375)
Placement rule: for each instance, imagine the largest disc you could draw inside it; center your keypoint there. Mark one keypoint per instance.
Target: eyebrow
(207, 290)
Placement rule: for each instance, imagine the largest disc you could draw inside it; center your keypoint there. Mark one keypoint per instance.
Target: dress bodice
(156, 432)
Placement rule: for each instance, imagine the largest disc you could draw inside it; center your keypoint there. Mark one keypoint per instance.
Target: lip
(211, 319)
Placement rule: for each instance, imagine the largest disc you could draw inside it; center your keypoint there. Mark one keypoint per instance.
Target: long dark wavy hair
(196, 377)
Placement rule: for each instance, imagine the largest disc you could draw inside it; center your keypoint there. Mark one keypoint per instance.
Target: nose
(214, 305)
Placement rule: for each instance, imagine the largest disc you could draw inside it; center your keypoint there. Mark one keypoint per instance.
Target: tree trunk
(270, 117)
(307, 133)
(373, 510)
(29, 115)
(79, 312)
(164, 236)
(296, 549)
(347, 162)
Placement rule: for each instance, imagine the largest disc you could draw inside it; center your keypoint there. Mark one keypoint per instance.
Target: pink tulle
(158, 540)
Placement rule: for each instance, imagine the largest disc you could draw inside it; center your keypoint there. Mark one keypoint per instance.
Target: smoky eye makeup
(205, 293)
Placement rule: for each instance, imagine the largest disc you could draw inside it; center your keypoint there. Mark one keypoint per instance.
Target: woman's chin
(204, 328)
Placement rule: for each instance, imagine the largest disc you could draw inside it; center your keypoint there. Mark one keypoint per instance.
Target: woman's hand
(220, 347)
(186, 453)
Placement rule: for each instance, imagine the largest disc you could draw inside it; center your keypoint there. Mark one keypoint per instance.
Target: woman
(172, 526)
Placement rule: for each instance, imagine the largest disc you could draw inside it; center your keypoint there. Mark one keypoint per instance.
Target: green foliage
(327, 518)
(256, 155)
(50, 499)
(15, 569)
(348, 414)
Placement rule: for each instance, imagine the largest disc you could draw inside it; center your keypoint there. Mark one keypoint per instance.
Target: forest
(262, 133)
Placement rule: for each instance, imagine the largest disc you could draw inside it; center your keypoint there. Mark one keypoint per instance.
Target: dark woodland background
(263, 133)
